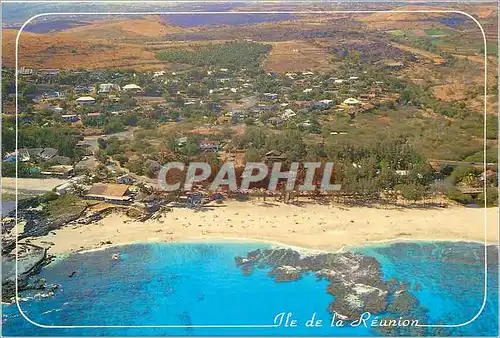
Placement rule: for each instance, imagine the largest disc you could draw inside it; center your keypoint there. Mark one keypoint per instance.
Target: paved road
(31, 184)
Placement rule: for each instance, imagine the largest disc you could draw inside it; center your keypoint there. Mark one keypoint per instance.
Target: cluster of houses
(238, 95)
(57, 101)
(47, 158)
(121, 191)
(232, 96)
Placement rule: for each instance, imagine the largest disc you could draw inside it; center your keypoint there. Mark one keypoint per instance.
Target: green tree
(252, 155)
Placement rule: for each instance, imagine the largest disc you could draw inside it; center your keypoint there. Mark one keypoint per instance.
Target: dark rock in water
(356, 284)
(30, 260)
(53, 287)
(356, 280)
(256, 254)
(285, 273)
(247, 269)
(352, 299)
(392, 284)
(251, 257)
(403, 303)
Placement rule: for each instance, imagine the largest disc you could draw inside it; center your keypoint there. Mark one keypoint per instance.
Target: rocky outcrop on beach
(35, 222)
(32, 221)
(30, 260)
(355, 280)
(285, 273)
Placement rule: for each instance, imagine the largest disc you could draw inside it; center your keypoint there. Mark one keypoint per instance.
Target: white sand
(319, 227)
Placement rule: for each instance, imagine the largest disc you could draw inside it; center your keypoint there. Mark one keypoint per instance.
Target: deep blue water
(199, 284)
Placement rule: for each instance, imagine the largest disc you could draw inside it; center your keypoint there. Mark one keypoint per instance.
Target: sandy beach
(318, 227)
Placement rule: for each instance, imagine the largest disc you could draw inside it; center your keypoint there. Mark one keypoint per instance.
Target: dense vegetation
(383, 149)
(229, 55)
(58, 136)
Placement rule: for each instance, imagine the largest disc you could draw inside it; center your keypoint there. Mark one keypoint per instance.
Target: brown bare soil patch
(239, 129)
(63, 51)
(450, 92)
(124, 29)
(206, 131)
(296, 56)
(104, 44)
(481, 10)
(474, 58)
(477, 104)
(406, 21)
(419, 32)
(397, 20)
(384, 119)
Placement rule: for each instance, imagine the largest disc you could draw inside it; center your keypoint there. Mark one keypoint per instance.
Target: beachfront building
(61, 171)
(110, 192)
(64, 188)
(85, 101)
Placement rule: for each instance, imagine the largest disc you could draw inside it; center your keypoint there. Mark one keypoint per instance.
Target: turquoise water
(199, 284)
(448, 280)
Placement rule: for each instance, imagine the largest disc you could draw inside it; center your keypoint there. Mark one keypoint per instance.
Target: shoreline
(315, 228)
(274, 244)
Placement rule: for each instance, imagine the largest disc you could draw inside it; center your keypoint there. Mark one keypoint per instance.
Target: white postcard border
(244, 12)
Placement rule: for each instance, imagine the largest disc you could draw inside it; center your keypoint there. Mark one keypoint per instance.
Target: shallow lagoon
(187, 284)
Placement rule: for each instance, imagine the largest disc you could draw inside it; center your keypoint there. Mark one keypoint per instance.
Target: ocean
(190, 285)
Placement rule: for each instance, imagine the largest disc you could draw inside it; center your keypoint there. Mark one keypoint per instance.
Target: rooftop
(85, 98)
(108, 190)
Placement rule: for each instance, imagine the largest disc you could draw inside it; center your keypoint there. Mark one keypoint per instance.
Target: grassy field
(397, 32)
(436, 31)
(492, 48)
(437, 42)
